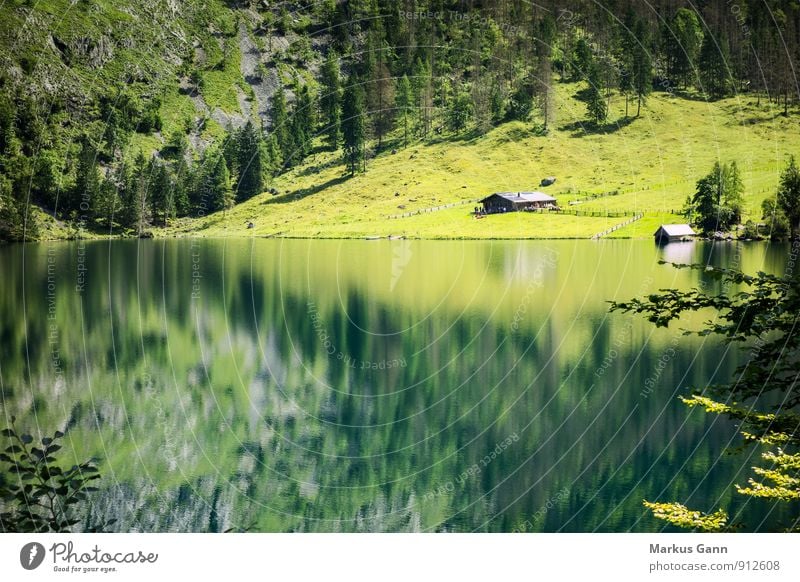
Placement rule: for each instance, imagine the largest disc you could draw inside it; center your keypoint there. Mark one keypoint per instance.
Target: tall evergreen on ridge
(642, 64)
(250, 163)
(330, 100)
(354, 130)
(281, 128)
(595, 103)
(304, 122)
(683, 37)
(87, 181)
(713, 61)
(404, 100)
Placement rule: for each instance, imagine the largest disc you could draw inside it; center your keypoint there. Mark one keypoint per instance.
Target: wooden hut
(513, 201)
(674, 232)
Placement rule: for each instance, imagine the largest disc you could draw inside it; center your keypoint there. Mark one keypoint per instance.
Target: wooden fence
(434, 209)
(617, 226)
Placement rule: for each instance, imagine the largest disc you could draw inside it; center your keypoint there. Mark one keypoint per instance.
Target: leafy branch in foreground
(36, 495)
(762, 315)
(679, 515)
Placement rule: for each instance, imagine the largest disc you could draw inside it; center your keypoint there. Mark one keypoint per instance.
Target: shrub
(38, 495)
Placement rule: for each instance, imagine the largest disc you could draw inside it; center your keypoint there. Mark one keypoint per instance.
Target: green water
(372, 385)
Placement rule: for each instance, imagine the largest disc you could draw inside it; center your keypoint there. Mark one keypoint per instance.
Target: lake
(392, 385)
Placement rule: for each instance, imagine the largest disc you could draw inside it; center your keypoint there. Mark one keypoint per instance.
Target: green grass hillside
(640, 165)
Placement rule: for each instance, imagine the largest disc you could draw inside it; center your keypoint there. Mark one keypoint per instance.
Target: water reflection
(370, 386)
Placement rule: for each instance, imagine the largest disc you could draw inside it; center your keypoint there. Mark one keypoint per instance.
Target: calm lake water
(280, 385)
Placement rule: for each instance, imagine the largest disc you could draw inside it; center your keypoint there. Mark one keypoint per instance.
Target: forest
(90, 134)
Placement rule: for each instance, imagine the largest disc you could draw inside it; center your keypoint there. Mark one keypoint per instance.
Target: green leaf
(14, 449)
(58, 434)
(7, 432)
(26, 438)
(46, 441)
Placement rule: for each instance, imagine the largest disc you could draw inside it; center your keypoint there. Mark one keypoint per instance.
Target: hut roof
(524, 196)
(675, 230)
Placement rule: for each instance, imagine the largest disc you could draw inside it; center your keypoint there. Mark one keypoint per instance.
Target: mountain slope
(647, 165)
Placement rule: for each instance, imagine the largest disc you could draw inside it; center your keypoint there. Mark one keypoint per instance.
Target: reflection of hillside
(228, 409)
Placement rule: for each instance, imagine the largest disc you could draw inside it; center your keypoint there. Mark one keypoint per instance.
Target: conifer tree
(281, 128)
(789, 195)
(713, 64)
(595, 104)
(330, 100)
(682, 39)
(642, 65)
(404, 100)
(250, 163)
(354, 124)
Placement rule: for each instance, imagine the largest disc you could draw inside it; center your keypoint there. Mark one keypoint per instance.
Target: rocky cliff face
(74, 56)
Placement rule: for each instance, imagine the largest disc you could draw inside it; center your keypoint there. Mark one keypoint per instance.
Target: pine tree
(789, 195)
(642, 65)
(733, 189)
(404, 101)
(713, 64)
(595, 104)
(107, 203)
(214, 190)
(87, 181)
(627, 50)
(582, 60)
(422, 85)
(384, 111)
(281, 128)
(775, 219)
(250, 163)
(353, 124)
(7, 116)
(162, 202)
(498, 102)
(304, 122)
(137, 203)
(230, 149)
(682, 40)
(330, 100)
(183, 177)
(273, 157)
(220, 185)
(459, 112)
(545, 37)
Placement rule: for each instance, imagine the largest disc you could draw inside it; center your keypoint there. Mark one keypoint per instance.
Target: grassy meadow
(638, 165)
